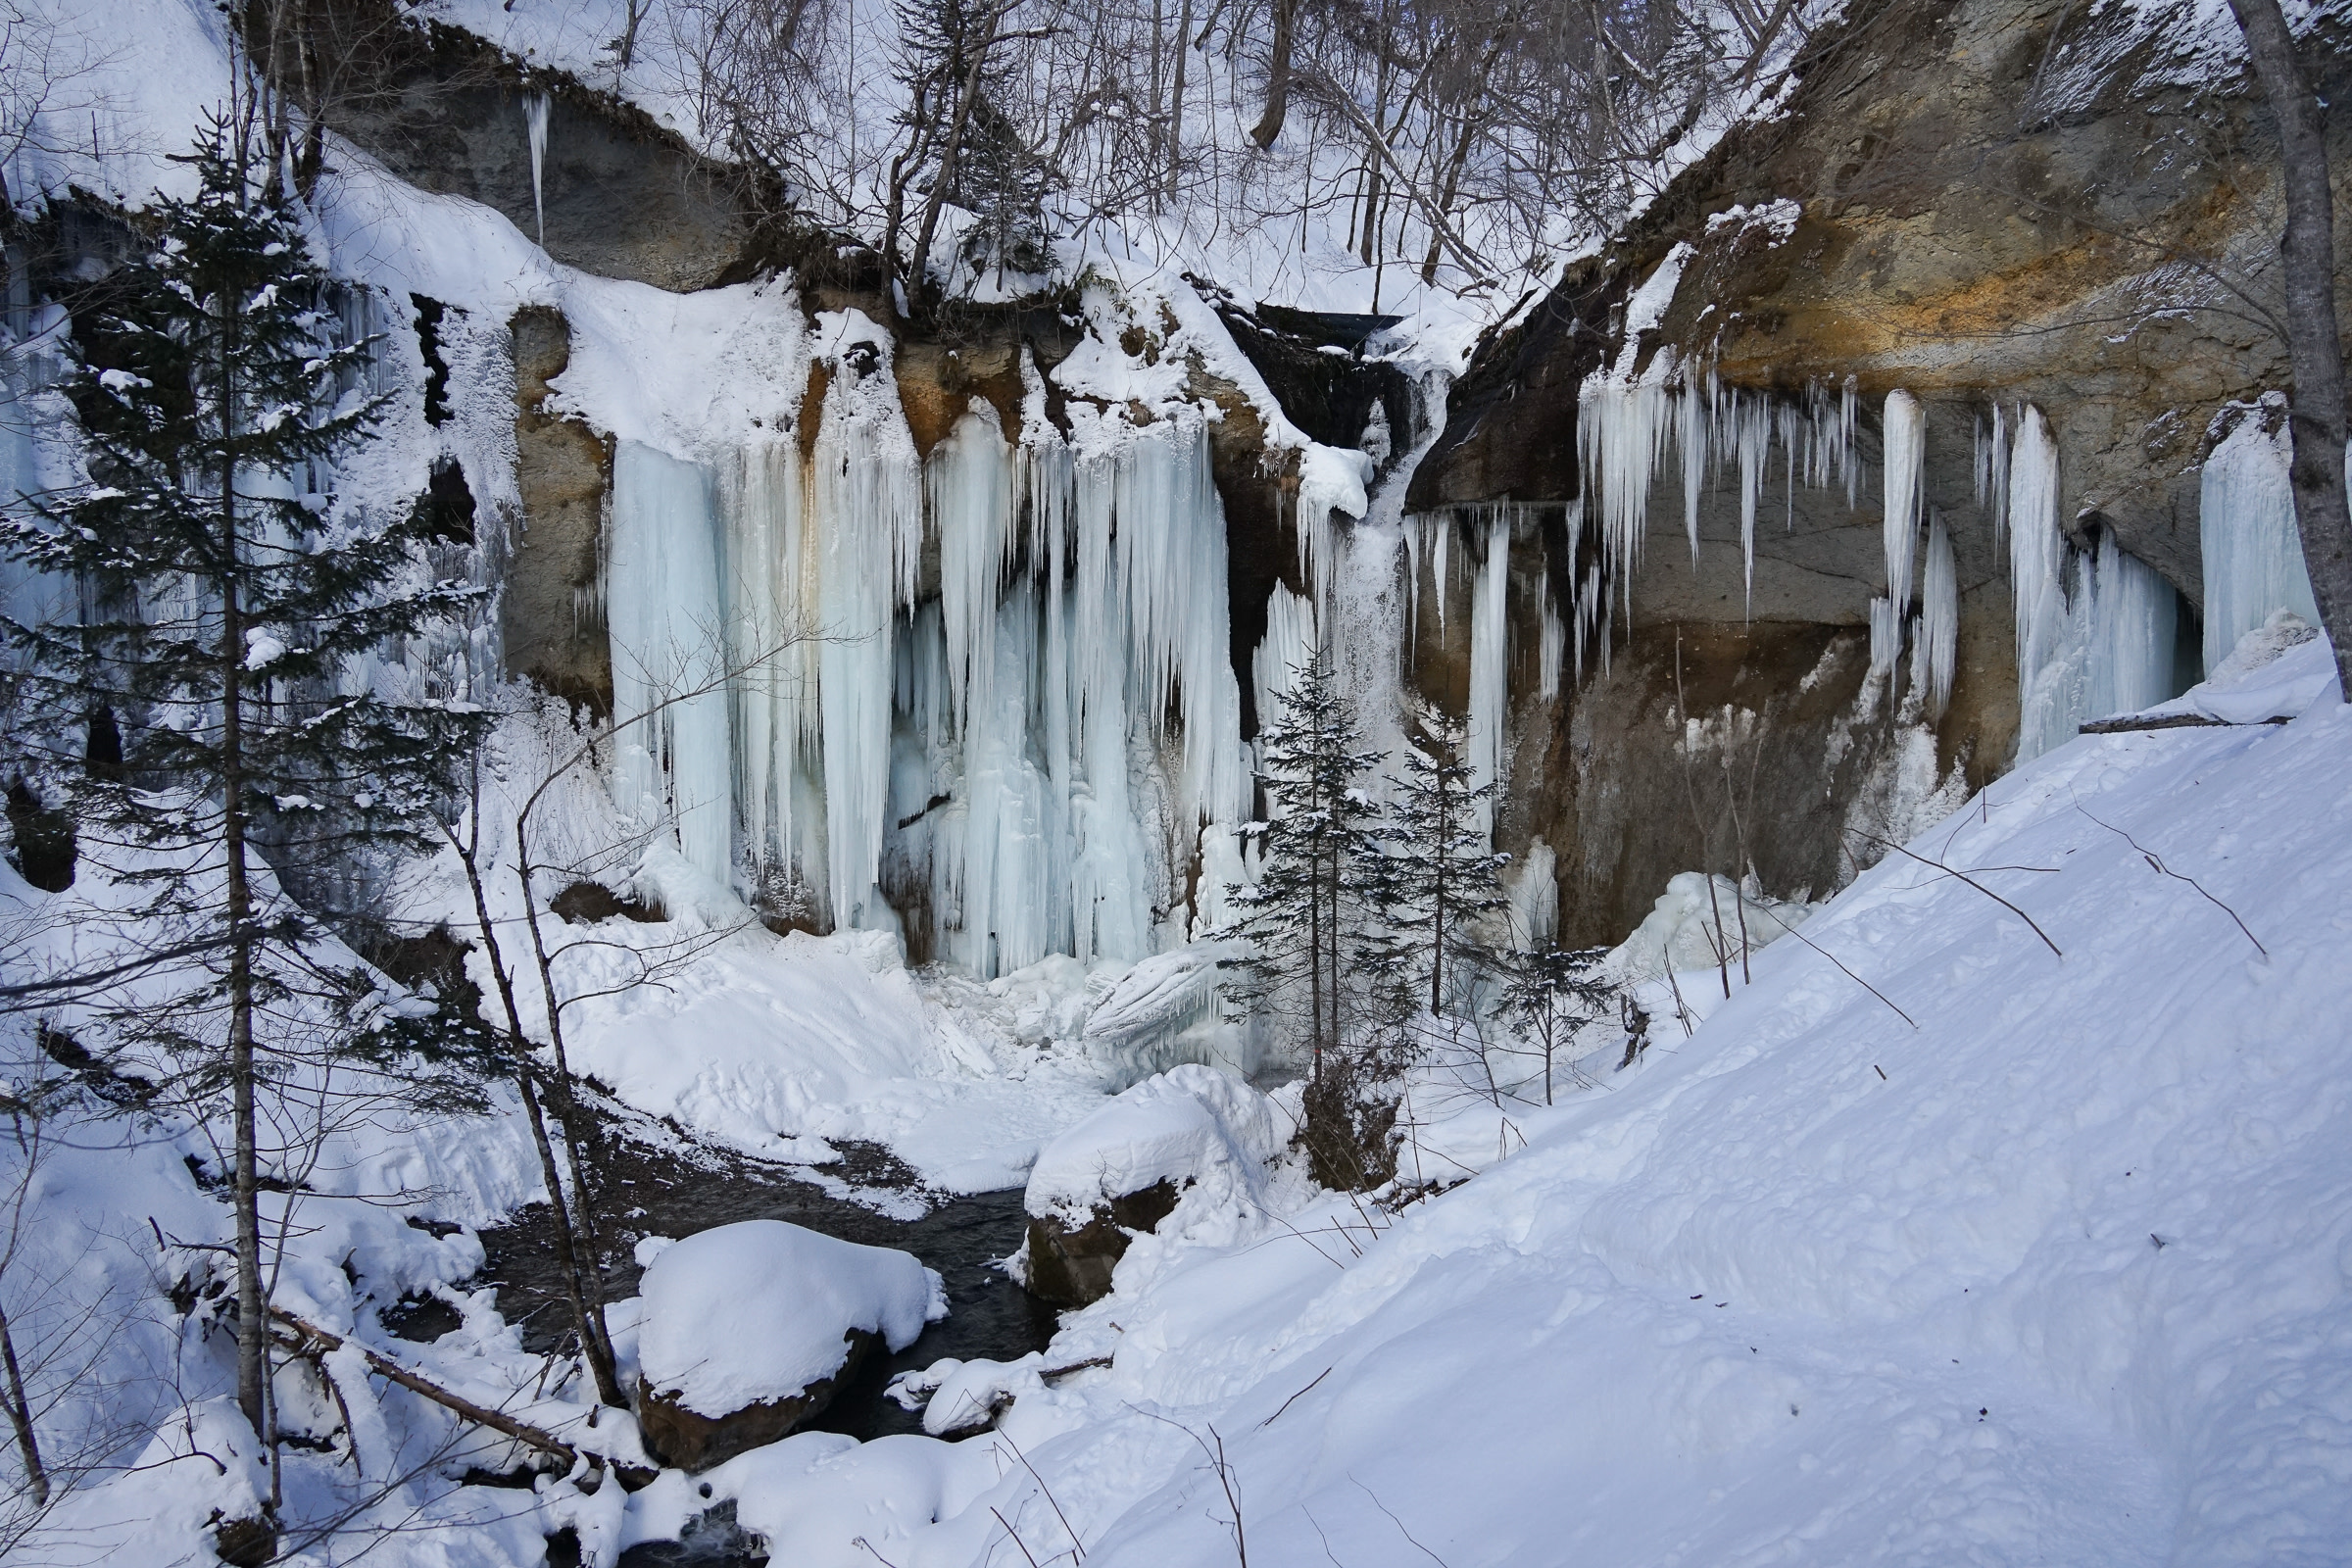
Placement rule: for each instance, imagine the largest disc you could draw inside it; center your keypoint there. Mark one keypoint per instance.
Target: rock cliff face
(618, 194)
(1990, 202)
(2020, 202)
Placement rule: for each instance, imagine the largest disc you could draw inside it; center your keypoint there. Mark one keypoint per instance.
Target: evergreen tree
(1319, 863)
(1319, 954)
(1442, 877)
(231, 605)
(1554, 992)
(960, 136)
(1002, 182)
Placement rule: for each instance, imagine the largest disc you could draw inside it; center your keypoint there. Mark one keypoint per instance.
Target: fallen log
(2130, 724)
(632, 1477)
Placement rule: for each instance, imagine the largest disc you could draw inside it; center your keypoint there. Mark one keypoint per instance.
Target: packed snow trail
(2057, 1275)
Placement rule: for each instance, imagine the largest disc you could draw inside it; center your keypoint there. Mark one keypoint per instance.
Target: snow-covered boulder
(746, 1329)
(1122, 1169)
(194, 1499)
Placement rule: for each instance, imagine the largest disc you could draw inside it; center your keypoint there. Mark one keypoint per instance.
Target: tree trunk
(2307, 254)
(965, 98)
(593, 1345)
(253, 1373)
(20, 1418)
(1175, 133)
(634, 1477)
(1278, 76)
(579, 1134)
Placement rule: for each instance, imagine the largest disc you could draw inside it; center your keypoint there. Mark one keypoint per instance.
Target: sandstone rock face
(1070, 1264)
(549, 613)
(1999, 198)
(1958, 201)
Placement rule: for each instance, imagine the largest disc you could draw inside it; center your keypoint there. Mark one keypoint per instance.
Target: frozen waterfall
(1905, 425)
(2103, 646)
(2253, 554)
(1022, 763)
(1490, 665)
(669, 700)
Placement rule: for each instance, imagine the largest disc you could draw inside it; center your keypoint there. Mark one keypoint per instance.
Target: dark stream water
(662, 1192)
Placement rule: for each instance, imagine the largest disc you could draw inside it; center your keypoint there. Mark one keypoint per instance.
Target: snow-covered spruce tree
(229, 602)
(1442, 876)
(1002, 182)
(1312, 922)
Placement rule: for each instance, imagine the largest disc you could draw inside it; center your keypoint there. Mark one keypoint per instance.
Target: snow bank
(1192, 1125)
(2276, 671)
(760, 1310)
(204, 1467)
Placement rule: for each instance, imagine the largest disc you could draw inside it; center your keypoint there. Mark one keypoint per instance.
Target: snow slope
(2050, 1266)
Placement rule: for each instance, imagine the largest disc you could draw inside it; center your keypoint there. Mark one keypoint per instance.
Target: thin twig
(2160, 868)
(1293, 1400)
(1399, 1523)
(1008, 1530)
(1949, 871)
(1850, 975)
(1077, 1548)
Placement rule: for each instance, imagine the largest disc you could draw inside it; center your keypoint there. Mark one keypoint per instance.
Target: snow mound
(1694, 926)
(1164, 991)
(1192, 1124)
(760, 1310)
(2278, 670)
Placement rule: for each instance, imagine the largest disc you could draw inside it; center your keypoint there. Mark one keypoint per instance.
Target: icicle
(1753, 433)
(1885, 640)
(2253, 554)
(2035, 543)
(1108, 874)
(1792, 425)
(1290, 642)
(2138, 620)
(668, 654)
(1439, 582)
(1621, 433)
(967, 484)
(1996, 473)
(1490, 668)
(767, 647)
(534, 108)
(1692, 430)
(1849, 413)
(1414, 530)
(1939, 617)
(1904, 454)
(1550, 651)
(1623, 430)
(866, 520)
(2107, 650)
